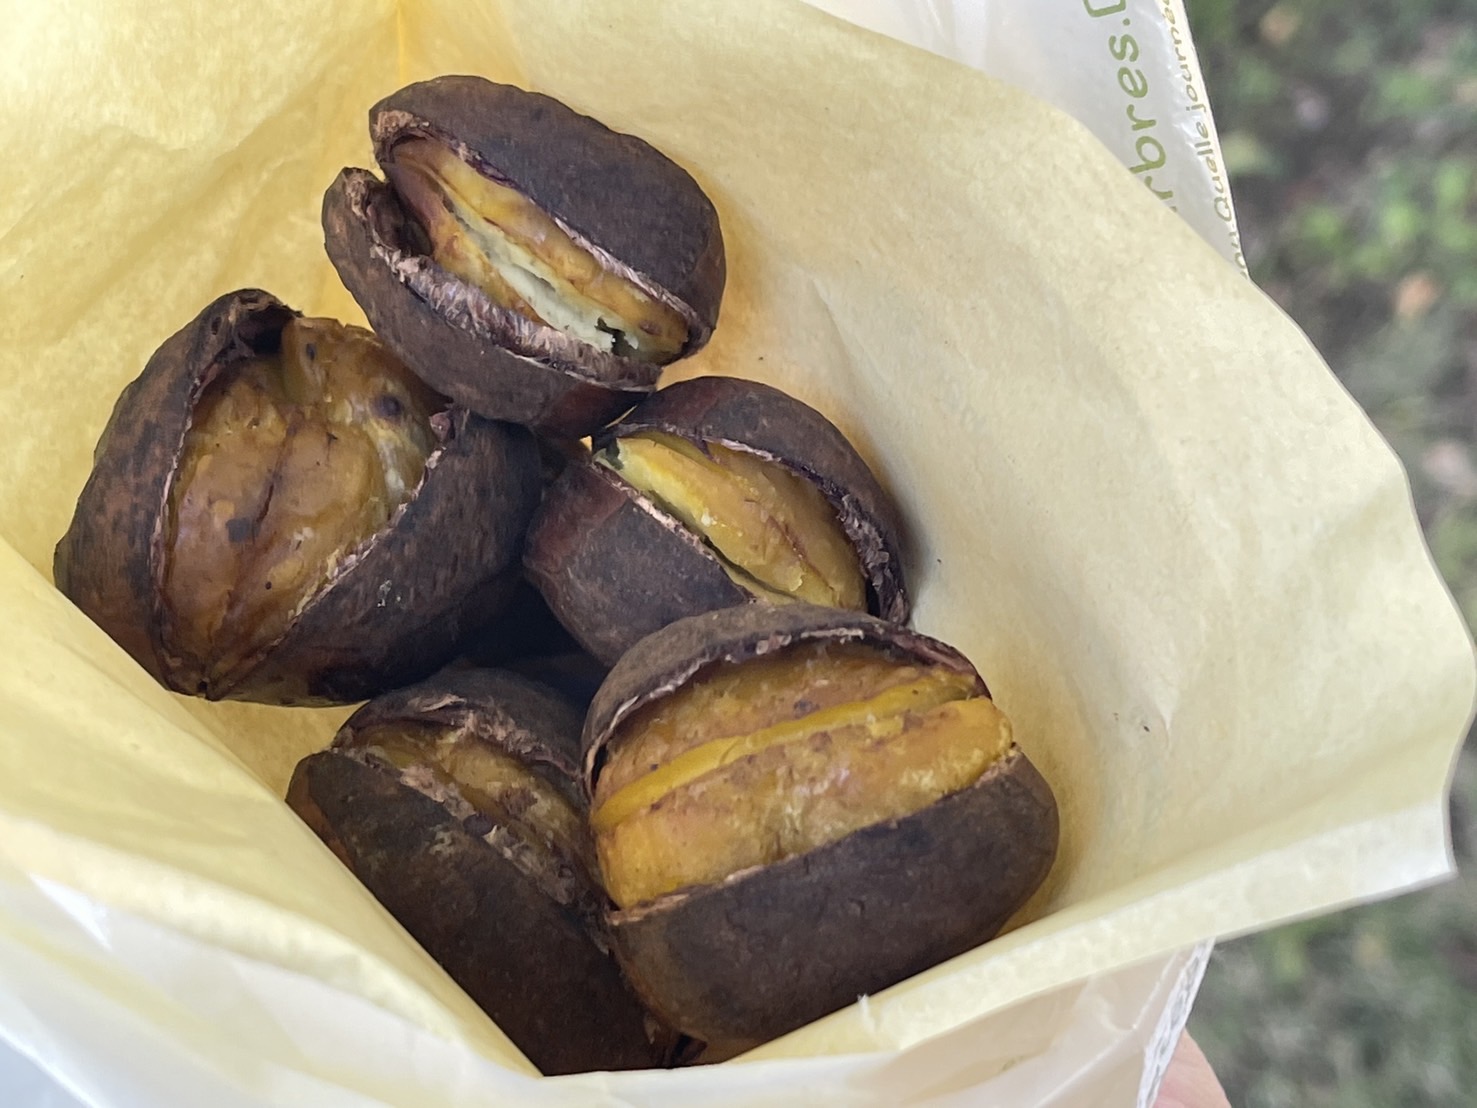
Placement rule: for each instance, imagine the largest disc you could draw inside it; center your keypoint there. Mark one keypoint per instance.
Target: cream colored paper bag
(1185, 563)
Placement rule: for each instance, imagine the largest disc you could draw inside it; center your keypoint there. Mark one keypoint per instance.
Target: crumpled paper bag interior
(1184, 561)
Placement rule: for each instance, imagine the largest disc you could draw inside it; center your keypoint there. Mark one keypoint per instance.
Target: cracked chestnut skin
(614, 566)
(640, 214)
(397, 607)
(542, 970)
(769, 949)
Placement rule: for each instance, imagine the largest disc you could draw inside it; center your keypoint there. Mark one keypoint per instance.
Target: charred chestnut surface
(525, 259)
(279, 511)
(830, 802)
(457, 803)
(714, 492)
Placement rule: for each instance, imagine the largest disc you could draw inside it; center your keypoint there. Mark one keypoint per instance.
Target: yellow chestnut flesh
(513, 797)
(755, 763)
(774, 532)
(291, 462)
(493, 237)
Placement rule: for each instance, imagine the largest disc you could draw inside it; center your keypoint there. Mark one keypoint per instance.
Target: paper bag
(1182, 558)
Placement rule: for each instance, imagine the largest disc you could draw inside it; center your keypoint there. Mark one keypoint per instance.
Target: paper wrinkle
(86, 914)
(1185, 564)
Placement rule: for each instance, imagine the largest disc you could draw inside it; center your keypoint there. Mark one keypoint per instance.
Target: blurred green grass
(1350, 133)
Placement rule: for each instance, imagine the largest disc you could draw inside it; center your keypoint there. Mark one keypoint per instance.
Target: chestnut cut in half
(713, 492)
(795, 806)
(457, 803)
(524, 259)
(280, 511)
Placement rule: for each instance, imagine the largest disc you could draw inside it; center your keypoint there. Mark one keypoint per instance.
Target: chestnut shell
(523, 719)
(397, 608)
(541, 971)
(614, 566)
(772, 948)
(641, 213)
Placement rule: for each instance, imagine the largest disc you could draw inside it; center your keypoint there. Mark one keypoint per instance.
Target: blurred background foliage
(1350, 133)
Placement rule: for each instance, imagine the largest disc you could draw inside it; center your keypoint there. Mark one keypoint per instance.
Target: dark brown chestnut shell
(397, 608)
(619, 197)
(614, 566)
(541, 970)
(770, 949)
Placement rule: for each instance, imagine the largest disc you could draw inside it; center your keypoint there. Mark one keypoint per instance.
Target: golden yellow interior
(493, 237)
(291, 462)
(759, 762)
(774, 532)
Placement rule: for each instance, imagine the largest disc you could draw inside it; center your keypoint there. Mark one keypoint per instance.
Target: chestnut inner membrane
(491, 236)
(774, 533)
(292, 461)
(753, 763)
(532, 823)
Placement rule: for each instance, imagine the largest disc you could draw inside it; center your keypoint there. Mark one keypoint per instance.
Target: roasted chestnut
(524, 259)
(457, 803)
(713, 492)
(794, 806)
(280, 511)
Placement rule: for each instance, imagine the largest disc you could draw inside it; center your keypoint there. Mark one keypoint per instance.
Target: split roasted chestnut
(457, 803)
(524, 259)
(713, 492)
(794, 806)
(280, 511)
